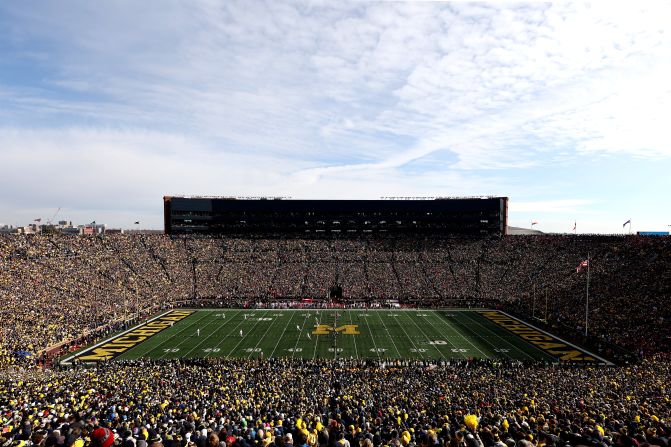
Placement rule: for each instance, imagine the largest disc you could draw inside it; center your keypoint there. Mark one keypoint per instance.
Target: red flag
(583, 264)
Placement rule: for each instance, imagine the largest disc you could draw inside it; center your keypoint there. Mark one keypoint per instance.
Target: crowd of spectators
(336, 403)
(56, 288)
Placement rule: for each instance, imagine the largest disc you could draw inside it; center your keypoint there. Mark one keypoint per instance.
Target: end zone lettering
(553, 346)
(123, 342)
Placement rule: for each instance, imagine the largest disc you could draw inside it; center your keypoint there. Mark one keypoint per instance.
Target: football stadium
(335, 223)
(265, 321)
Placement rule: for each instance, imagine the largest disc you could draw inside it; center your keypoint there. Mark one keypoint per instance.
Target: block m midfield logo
(347, 329)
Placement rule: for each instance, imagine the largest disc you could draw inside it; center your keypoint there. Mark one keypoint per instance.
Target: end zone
(120, 343)
(561, 350)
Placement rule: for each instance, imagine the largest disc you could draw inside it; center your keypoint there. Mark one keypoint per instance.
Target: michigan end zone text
(123, 342)
(554, 346)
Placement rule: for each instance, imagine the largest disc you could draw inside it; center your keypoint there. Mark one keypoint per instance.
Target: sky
(106, 107)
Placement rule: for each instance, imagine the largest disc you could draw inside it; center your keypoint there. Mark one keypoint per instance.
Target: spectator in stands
(77, 289)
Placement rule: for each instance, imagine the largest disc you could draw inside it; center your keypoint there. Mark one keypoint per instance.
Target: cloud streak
(311, 96)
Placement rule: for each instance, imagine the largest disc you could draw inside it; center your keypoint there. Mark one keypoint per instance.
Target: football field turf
(342, 333)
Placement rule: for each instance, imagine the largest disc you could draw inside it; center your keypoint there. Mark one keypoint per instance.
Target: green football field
(308, 334)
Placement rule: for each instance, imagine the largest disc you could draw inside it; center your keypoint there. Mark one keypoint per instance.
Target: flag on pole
(39, 219)
(534, 222)
(137, 222)
(627, 222)
(575, 224)
(582, 265)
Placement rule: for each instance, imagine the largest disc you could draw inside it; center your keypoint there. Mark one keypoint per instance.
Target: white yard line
(314, 352)
(392, 338)
(335, 337)
(307, 315)
(356, 351)
(207, 314)
(272, 323)
(372, 337)
(206, 338)
(232, 331)
(418, 350)
(279, 339)
(484, 338)
(453, 346)
(243, 337)
(473, 345)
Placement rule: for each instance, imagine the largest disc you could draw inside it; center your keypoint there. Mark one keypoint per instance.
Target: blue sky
(105, 107)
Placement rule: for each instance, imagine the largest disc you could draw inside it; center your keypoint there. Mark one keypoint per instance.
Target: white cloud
(118, 174)
(114, 170)
(276, 76)
(326, 98)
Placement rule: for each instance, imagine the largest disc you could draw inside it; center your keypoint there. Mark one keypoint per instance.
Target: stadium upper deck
(485, 216)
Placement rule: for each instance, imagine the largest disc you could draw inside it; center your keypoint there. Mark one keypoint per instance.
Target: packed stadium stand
(57, 287)
(62, 292)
